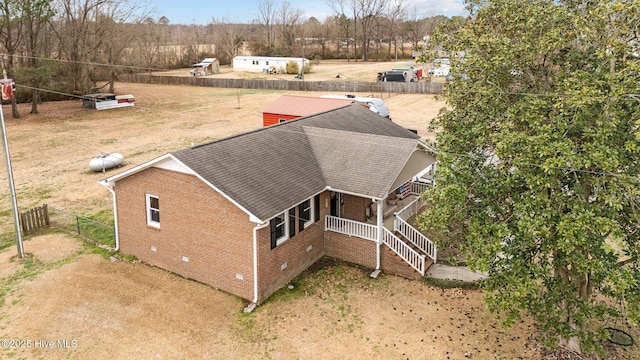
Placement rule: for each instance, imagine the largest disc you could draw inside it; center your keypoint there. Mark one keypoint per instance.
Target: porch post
(380, 229)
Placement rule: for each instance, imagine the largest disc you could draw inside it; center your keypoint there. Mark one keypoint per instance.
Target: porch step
(428, 262)
(396, 265)
(404, 239)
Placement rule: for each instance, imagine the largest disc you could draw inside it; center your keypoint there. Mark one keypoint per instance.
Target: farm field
(125, 309)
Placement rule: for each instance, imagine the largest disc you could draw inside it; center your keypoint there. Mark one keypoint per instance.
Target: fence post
(78, 223)
(46, 214)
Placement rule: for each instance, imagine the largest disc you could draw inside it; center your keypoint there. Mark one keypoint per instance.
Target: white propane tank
(105, 161)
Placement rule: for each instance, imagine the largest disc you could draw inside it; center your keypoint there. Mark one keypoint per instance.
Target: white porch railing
(418, 188)
(410, 233)
(370, 232)
(416, 238)
(410, 209)
(412, 257)
(351, 228)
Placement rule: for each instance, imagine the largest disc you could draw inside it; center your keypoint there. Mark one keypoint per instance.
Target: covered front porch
(387, 225)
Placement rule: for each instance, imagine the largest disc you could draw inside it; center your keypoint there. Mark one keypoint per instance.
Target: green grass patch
(105, 253)
(452, 284)
(108, 141)
(104, 216)
(327, 275)
(7, 240)
(32, 267)
(37, 193)
(96, 231)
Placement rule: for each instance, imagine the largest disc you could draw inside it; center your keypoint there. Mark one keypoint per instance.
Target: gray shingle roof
(360, 163)
(269, 170)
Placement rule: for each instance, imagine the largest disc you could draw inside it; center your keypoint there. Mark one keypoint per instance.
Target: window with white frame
(305, 214)
(153, 211)
(278, 227)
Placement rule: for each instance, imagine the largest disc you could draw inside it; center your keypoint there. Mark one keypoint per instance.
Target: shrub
(292, 67)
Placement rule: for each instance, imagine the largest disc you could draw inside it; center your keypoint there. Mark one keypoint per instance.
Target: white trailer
(374, 104)
(104, 101)
(266, 63)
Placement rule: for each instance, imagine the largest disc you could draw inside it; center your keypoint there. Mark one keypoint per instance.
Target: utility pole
(7, 94)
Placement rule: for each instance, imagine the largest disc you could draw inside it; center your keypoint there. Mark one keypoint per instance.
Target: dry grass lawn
(125, 309)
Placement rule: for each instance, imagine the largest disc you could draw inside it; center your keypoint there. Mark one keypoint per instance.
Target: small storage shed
(290, 107)
(207, 66)
(265, 64)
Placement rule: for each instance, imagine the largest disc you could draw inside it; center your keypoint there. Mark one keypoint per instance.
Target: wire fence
(93, 230)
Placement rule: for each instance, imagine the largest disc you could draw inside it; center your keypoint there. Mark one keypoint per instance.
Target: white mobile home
(265, 63)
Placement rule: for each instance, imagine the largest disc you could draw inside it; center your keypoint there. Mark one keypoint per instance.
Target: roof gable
(360, 163)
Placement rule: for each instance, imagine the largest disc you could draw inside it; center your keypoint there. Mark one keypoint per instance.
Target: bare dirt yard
(67, 300)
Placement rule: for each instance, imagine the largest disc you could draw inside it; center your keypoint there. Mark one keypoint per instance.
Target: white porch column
(380, 223)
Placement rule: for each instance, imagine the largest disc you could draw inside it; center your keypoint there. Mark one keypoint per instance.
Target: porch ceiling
(417, 162)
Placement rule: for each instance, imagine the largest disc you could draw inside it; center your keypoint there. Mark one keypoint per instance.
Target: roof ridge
(285, 123)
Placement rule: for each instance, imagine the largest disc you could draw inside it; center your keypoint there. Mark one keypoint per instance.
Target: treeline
(69, 46)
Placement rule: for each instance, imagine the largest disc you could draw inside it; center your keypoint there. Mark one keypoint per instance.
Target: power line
(51, 91)
(83, 62)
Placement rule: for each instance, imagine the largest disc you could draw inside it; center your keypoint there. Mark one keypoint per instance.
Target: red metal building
(289, 107)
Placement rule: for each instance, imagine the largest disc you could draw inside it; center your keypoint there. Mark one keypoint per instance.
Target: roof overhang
(171, 163)
(420, 159)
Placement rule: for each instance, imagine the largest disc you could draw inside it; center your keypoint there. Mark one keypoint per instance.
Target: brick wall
(351, 249)
(214, 236)
(280, 265)
(217, 238)
(393, 264)
(354, 208)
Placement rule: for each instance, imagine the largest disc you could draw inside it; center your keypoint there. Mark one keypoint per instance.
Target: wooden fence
(34, 219)
(286, 85)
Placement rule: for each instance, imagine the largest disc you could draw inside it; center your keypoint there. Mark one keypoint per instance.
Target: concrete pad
(462, 273)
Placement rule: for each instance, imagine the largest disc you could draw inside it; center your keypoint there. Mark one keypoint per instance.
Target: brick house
(290, 107)
(248, 213)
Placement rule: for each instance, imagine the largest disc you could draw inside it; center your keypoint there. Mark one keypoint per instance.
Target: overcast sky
(201, 12)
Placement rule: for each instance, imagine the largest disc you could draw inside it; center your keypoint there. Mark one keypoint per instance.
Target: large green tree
(539, 164)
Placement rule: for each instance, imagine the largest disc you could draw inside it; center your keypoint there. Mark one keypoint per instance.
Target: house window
(153, 211)
(281, 120)
(305, 214)
(267, 62)
(279, 229)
